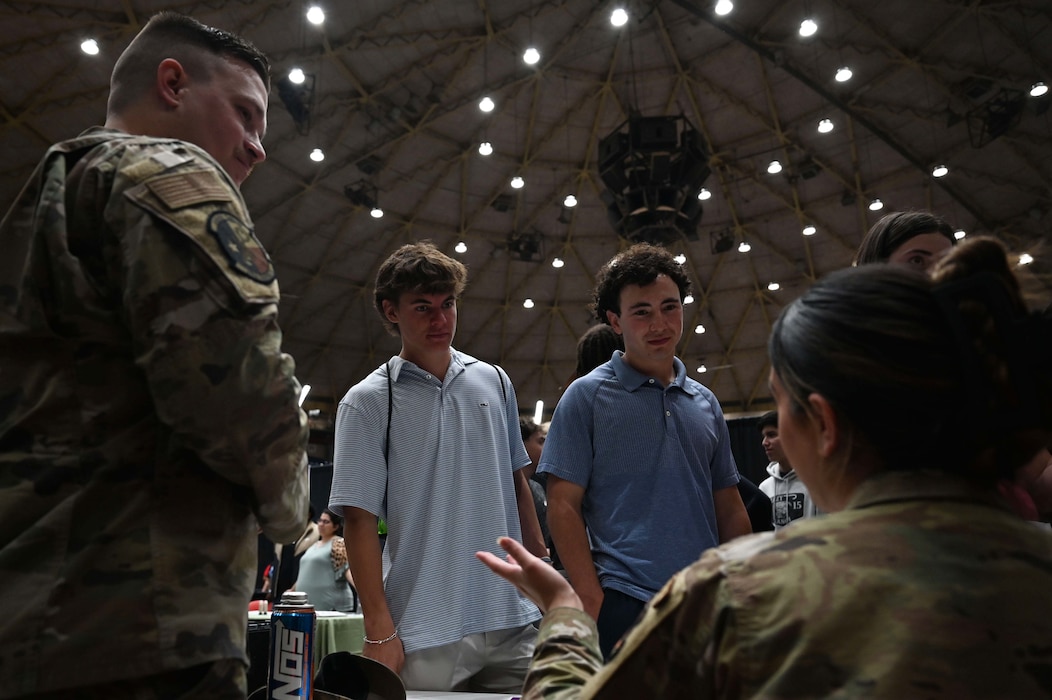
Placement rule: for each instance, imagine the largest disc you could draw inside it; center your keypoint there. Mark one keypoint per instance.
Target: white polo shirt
(446, 491)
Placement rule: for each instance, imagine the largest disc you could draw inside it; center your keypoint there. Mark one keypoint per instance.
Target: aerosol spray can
(291, 648)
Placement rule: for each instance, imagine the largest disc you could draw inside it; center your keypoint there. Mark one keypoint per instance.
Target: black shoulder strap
(500, 378)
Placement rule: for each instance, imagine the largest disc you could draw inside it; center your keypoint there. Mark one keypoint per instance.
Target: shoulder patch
(241, 247)
(189, 188)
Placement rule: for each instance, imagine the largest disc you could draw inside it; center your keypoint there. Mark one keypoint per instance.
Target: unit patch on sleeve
(241, 247)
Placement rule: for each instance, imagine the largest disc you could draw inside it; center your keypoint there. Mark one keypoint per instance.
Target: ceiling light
(825, 126)
(486, 104)
(959, 234)
(876, 205)
(461, 247)
(699, 329)
(528, 304)
(517, 182)
(297, 76)
(570, 201)
(773, 287)
(689, 299)
(618, 17)
(808, 27)
(809, 230)
(304, 390)
(1026, 259)
(724, 7)
(774, 168)
(317, 155)
(531, 56)
(376, 213)
(681, 258)
(557, 263)
(315, 15)
(843, 74)
(90, 47)
(702, 369)
(485, 148)
(538, 412)
(1036, 90)
(744, 247)
(939, 171)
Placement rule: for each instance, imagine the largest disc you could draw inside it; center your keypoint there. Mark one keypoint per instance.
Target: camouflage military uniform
(148, 418)
(924, 588)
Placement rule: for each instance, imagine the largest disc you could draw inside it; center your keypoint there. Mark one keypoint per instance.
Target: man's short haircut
(596, 346)
(417, 267)
(193, 44)
(768, 420)
(894, 229)
(527, 427)
(641, 264)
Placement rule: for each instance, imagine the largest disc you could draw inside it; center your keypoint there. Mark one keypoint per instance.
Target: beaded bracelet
(380, 641)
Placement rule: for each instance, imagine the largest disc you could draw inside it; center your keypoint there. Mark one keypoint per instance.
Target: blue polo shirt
(649, 458)
(445, 490)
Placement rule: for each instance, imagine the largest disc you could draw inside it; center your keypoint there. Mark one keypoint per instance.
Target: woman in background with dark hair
(324, 575)
(914, 238)
(902, 401)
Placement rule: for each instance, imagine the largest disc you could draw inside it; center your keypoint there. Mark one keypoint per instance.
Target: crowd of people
(151, 430)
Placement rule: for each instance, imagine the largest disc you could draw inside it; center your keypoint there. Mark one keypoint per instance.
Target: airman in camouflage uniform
(831, 607)
(149, 422)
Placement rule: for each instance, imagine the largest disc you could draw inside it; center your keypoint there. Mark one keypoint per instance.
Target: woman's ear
(827, 425)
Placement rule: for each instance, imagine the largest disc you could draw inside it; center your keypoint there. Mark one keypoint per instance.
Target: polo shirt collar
(457, 362)
(631, 379)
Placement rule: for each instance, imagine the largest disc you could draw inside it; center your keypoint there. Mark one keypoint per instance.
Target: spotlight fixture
(704, 194)
(557, 263)
(570, 201)
(809, 230)
(317, 155)
(702, 369)
(364, 194)
(699, 329)
(681, 258)
(618, 17)
(724, 7)
(843, 74)
(939, 171)
(461, 247)
(808, 27)
(1036, 90)
(959, 234)
(297, 76)
(825, 126)
(689, 299)
(527, 247)
(774, 168)
(876, 205)
(485, 148)
(773, 287)
(517, 183)
(486, 104)
(298, 99)
(744, 247)
(531, 56)
(527, 304)
(315, 15)
(1026, 259)
(91, 47)
(653, 169)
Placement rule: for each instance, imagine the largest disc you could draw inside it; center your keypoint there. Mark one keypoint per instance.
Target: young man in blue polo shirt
(638, 453)
(430, 441)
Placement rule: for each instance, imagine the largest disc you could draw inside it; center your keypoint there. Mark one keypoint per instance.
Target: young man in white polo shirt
(430, 442)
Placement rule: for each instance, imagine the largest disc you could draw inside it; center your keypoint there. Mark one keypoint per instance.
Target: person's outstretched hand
(537, 580)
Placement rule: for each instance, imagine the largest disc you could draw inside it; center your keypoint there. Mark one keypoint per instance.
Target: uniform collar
(898, 486)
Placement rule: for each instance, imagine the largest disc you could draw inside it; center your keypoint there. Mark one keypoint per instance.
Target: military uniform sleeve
(202, 303)
(670, 654)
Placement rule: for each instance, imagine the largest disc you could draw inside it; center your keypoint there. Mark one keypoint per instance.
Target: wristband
(380, 641)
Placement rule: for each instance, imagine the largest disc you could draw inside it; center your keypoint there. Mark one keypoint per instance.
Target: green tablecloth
(333, 632)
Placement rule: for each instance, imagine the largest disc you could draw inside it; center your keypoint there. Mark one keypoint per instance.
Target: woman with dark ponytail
(903, 399)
